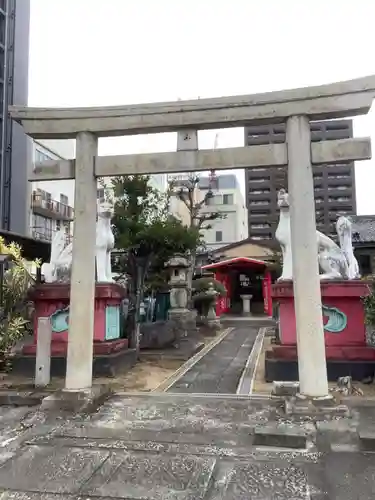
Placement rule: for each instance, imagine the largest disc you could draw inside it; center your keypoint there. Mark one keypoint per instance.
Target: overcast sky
(111, 52)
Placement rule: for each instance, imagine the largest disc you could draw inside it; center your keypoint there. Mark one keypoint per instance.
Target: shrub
(200, 298)
(203, 285)
(369, 305)
(14, 310)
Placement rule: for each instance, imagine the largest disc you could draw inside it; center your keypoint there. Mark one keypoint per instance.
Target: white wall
(234, 226)
(55, 150)
(42, 151)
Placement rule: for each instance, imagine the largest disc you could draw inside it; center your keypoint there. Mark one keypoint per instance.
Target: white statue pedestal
(246, 300)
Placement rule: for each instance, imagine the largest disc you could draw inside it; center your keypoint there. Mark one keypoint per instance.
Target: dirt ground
(145, 376)
(262, 387)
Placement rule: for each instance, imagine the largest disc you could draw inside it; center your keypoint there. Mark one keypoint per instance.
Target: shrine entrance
(243, 276)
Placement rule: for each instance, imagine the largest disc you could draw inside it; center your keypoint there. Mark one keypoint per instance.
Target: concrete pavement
(176, 447)
(184, 446)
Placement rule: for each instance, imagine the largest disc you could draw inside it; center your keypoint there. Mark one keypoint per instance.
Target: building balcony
(51, 208)
(43, 234)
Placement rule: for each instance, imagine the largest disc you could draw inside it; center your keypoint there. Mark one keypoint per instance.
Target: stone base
(284, 389)
(183, 322)
(280, 436)
(157, 335)
(76, 401)
(343, 312)
(281, 364)
(315, 407)
(213, 324)
(52, 300)
(100, 348)
(109, 360)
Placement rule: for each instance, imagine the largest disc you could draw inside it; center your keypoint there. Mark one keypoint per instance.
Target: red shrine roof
(237, 260)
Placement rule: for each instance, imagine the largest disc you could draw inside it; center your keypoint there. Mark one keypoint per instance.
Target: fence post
(43, 353)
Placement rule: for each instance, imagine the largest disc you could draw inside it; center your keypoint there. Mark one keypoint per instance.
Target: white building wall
(65, 149)
(55, 150)
(233, 227)
(44, 226)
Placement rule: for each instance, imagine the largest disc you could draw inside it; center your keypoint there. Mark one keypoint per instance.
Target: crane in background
(213, 180)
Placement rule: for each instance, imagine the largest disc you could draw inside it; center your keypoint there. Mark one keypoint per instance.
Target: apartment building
(226, 199)
(52, 202)
(15, 148)
(334, 185)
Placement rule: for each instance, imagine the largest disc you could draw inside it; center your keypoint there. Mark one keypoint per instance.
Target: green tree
(143, 228)
(199, 219)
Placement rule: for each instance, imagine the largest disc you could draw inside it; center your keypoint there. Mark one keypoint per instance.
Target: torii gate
(295, 107)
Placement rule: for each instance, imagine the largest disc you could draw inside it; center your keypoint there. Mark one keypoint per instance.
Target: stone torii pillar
(312, 366)
(82, 285)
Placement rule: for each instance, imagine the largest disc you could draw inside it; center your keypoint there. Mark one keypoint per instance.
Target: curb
(366, 439)
(15, 398)
(246, 383)
(195, 395)
(80, 401)
(164, 386)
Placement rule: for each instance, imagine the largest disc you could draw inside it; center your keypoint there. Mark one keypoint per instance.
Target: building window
(339, 188)
(364, 262)
(339, 198)
(260, 202)
(215, 200)
(100, 194)
(42, 227)
(219, 236)
(64, 199)
(259, 191)
(40, 157)
(259, 179)
(260, 226)
(228, 199)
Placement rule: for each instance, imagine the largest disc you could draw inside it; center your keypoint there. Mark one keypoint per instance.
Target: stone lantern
(181, 318)
(178, 280)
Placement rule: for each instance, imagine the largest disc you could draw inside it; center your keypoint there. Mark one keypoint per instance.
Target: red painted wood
(344, 295)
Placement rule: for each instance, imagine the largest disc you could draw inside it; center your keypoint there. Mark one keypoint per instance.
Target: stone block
(335, 435)
(157, 335)
(358, 402)
(367, 438)
(44, 469)
(21, 398)
(267, 480)
(285, 388)
(283, 436)
(84, 400)
(151, 477)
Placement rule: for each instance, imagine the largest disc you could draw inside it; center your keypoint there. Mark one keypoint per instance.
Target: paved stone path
(169, 446)
(173, 447)
(219, 371)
